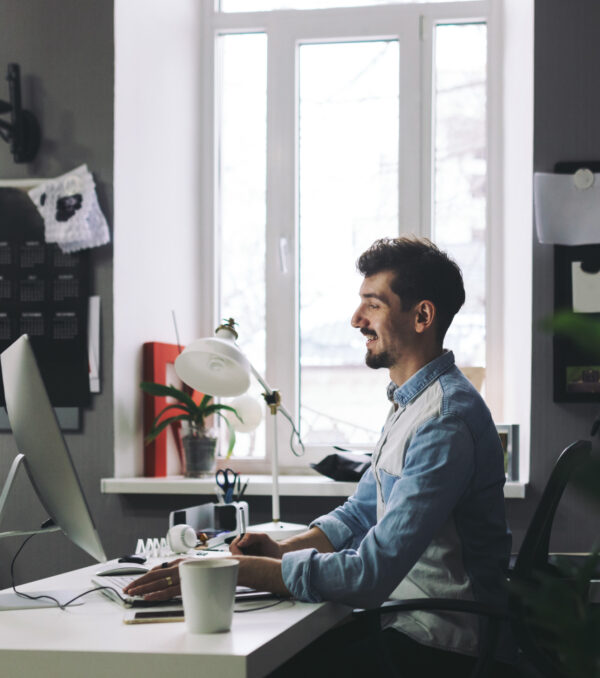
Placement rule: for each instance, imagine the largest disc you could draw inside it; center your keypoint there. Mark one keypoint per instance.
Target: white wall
(518, 214)
(156, 183)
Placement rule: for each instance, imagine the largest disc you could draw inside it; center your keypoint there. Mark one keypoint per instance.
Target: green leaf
(231, 433)
(204, 402)
(211, 409)
(163, 391)
(161, 427)
(578, 327)
(178, 406)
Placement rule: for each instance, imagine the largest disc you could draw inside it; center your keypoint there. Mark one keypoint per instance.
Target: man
(427, 520)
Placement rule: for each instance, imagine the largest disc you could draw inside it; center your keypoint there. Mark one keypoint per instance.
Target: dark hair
(422, 271)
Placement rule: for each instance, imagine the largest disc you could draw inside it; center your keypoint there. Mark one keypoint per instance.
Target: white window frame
(414, 26)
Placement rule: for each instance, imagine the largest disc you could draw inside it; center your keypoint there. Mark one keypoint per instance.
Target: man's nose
(357, 319)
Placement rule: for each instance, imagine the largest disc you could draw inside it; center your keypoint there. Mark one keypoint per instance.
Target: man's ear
(425, 314)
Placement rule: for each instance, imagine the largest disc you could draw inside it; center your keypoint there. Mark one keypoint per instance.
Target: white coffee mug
(208, 593)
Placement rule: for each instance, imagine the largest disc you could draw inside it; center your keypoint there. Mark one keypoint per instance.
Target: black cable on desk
(262, 607)
(62, 606)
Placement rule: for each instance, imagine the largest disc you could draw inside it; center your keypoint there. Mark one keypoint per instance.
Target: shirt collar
(421, 380)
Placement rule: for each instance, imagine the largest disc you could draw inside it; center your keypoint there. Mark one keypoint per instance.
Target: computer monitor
(43, 450)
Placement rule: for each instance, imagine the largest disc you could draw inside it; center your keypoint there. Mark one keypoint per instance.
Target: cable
(62, 606)
(97, 588)
(294, 431)
(262, 607)
(12, 577)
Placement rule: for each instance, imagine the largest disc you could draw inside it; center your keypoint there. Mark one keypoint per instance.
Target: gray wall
(566, 127)
(66, 52)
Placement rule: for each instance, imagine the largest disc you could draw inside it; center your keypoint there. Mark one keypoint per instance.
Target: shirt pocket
(387, 481)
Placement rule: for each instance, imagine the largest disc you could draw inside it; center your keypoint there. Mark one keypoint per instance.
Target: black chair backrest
(533, 554)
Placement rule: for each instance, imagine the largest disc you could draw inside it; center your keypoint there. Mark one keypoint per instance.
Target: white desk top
(91, 640)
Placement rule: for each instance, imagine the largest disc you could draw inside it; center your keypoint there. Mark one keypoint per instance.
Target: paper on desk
(565, 214)
(586, 289)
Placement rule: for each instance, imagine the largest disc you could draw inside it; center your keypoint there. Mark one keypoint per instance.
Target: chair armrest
(445, 604)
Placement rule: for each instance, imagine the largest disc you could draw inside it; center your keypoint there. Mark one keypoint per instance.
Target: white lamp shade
(215, 366)
(250, 411)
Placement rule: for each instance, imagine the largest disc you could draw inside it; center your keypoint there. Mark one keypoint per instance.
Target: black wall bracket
(23, 130)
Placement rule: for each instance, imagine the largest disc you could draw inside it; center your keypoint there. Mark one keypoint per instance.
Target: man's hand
(161, 583)
(259, 544)
(256, 544)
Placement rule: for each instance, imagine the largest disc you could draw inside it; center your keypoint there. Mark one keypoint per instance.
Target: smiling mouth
(371, 337)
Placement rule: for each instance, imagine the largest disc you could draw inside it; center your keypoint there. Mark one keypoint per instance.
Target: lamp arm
(260, 380)
(280, 407)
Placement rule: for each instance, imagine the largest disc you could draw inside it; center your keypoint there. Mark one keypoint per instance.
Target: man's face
(382, 321)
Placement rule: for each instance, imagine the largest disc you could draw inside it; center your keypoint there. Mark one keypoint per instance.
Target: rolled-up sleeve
(438, 467)
(347, 525)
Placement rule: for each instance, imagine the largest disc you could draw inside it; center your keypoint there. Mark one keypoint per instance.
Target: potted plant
(198, 443)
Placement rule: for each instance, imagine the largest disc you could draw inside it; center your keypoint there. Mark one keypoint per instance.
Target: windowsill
(259, 485)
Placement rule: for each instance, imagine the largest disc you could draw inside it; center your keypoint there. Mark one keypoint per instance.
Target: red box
(155, 358)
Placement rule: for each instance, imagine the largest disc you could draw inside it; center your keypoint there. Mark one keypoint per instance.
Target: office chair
(532, 557)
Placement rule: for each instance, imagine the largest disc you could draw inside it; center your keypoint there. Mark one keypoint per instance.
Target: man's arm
(436, 473)
(344, 527)
(257, 544)
(261, 572)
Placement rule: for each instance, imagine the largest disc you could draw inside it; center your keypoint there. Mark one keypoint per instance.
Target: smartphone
(152, 616)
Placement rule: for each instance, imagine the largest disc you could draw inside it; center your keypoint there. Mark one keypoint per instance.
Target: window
(325, 129)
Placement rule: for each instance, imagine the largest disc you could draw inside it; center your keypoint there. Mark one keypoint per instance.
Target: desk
(91, 640)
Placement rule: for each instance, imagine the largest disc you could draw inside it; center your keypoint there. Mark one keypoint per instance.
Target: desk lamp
(216, 365)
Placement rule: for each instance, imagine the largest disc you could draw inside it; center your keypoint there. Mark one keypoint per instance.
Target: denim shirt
(426, 520)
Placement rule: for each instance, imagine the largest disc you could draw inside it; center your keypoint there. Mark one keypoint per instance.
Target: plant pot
(199, 449)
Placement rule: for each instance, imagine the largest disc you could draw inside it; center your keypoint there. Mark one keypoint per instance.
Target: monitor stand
(9, 600)
(12, 474)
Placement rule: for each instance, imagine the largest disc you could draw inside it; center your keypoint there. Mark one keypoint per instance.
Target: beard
(377, 360)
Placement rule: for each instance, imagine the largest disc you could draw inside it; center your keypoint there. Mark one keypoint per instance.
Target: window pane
(267, 5)
(348, 197)
(241, 199)
(460, 175)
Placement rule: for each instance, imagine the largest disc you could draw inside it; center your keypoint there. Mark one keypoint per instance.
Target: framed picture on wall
(577, 289)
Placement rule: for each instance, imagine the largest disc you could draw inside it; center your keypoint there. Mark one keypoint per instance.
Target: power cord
(294, 432)
(262, 607)
(62, 606)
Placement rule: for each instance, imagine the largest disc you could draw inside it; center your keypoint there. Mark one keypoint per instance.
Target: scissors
(227, 479)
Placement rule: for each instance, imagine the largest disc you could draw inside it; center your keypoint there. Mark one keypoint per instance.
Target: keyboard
(118, 582)
(115, 592)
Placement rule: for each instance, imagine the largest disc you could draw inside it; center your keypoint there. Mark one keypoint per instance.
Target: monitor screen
(47, 457)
